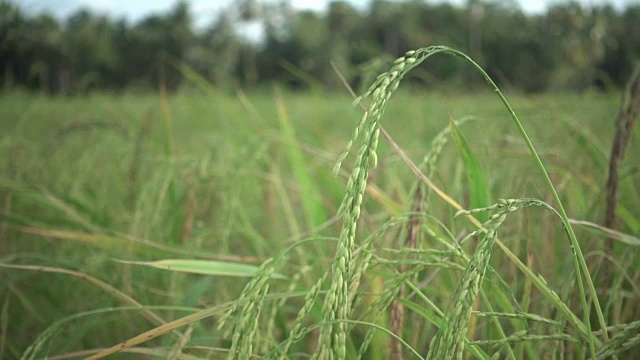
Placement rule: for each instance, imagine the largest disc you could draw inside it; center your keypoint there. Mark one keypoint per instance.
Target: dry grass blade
(629, 111)
(160, 330)
(184, 321)
(176, 352)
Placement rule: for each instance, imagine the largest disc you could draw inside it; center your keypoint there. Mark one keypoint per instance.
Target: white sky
(203, 10)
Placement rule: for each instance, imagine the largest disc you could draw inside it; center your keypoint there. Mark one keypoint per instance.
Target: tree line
(250, 43)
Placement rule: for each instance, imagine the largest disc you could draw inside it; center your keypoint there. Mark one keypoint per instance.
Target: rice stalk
(519, 316)
(270, 327)
(435, 149)
(523, 336)
(450, 338)
(627, 338)
(389, 81)
(337, 307)
(383, 301)
(410, 242)
(332, 342)
(629, 111)
(380, 306)
(297, 331)
(526, 292)
(437, 144)
(251, 298)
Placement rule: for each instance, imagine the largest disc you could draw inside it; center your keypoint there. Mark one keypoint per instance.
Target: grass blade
(477, 184)
(205, 267)
(315, 213)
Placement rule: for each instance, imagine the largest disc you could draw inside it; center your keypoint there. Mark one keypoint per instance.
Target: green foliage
(475, 177)
(568, 47)
(240, 188)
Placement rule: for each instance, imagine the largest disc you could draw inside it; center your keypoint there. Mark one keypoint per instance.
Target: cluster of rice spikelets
(337, 305)
(251, 298)
(297, 331)
(627, 338)
(345, 279)
(450, 339)
(349, 265)
(412, 228)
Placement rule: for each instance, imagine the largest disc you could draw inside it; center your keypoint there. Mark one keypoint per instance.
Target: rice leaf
(206, 267)
(477, 185)
(314, 212)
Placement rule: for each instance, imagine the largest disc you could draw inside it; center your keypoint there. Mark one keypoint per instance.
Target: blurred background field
(83, 177)
(224, 151)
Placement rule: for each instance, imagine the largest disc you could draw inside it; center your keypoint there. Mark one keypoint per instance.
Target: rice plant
(411, 274)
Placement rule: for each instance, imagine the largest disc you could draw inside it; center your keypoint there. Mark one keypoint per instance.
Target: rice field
(207, 224)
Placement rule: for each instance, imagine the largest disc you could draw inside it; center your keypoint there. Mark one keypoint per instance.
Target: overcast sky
(203, 10)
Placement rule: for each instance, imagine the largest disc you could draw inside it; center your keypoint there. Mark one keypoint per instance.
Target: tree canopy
(569, 47)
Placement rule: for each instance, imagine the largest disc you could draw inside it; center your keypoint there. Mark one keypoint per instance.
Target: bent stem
(381, 91)
(580, 264)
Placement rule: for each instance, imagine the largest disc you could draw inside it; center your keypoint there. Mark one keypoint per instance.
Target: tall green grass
(233, 194)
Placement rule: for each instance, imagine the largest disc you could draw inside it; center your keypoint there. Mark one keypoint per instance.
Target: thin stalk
(535, 280)
(581, 264)
(381, 91)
